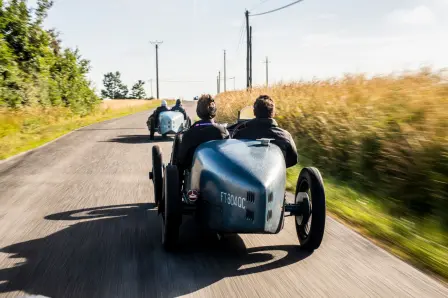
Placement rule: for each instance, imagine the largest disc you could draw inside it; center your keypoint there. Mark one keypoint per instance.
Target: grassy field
(382, 145)
(29, 128)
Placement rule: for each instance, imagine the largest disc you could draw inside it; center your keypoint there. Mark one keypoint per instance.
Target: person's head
(206, 108)
(178, 102)
(163, 103)
(264, 107)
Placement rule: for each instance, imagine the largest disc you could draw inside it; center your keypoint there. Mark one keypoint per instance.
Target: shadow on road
(116, 251)
(139, 139)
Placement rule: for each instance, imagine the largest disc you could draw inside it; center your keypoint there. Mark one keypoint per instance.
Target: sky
(312, 39)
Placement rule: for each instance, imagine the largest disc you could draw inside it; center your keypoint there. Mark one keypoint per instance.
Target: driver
(200, 132)
(264, 126)
(178, 108)
(156, 113)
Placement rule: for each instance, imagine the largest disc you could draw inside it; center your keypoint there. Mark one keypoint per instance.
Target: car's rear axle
(299, 209)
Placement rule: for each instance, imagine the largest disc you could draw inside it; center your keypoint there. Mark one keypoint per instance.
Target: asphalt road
(77, 220)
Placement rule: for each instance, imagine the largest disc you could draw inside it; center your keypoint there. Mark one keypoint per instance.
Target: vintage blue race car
(237, 186)
(170, 122)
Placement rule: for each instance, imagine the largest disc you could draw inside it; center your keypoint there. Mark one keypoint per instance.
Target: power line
(259, 4)
(249, 40)
(241, 36)
(277, 9)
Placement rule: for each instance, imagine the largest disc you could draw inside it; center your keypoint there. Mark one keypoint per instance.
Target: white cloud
(420, 15)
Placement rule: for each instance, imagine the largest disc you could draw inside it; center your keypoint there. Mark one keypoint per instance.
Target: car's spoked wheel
(310, 194)
(157, 174)
(172, 214)
(152, 129)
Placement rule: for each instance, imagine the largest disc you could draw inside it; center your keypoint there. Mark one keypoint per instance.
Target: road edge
(12, 158)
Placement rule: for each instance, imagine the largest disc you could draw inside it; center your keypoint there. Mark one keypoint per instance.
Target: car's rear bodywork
(171, 122)
(241, 185)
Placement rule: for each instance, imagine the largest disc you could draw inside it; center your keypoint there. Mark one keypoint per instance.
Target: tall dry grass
(387, 135)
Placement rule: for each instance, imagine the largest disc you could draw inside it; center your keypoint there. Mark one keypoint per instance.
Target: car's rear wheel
(157, 174)
(188, 123)
(152, 129)
(310, 194)
(176, 145)
(172, 214)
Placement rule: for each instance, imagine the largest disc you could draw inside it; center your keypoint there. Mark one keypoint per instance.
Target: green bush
(34, 69)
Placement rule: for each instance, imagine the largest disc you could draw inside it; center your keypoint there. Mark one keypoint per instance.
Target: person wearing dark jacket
(264, 126)
(155, 115)
(178, 108)
(200, 132)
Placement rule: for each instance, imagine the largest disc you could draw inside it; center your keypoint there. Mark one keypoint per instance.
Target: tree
(138, 90)
(34, 68)
(113, 87)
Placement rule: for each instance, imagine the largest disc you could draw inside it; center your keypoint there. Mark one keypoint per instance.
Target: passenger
(178, 108)
(264, 126)
(155, 115)
(200, 132)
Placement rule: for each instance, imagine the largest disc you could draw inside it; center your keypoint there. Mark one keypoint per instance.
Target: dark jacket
(268, 128)
(200, 132)
(179, 108)
(156, 114)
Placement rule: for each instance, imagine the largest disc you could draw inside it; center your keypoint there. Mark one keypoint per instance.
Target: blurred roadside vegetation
(44, 91)
(28, 128)
(382, 146)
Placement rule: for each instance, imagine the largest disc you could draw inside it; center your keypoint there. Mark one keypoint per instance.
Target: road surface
(77, 220)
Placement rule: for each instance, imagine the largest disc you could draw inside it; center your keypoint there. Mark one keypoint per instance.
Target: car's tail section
(241, 185)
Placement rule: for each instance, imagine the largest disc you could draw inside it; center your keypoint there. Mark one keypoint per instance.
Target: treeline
(115, 89)
(35, 70)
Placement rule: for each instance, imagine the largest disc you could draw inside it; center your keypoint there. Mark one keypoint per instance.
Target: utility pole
(233, 78)
(150, 81)
(225, 76)
(219, 81)
(156, 43)
(217, 84)
(267, 71)
(250, 74)
(248, 50)
(249, 39)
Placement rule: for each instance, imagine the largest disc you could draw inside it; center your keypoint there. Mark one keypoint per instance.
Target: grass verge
(382, 143)
(27, 129)
(422, 243)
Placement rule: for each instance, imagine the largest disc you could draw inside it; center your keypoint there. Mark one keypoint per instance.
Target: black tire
(157, 178)
(281, 223)
(188, 123)
(172, 215)
(152, 129)
(175, 151)
(311, 231)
